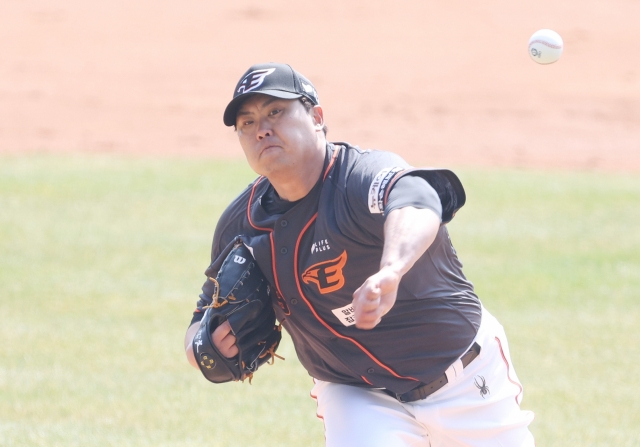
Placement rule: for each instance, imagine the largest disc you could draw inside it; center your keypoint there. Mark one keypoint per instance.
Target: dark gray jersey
(316, 252)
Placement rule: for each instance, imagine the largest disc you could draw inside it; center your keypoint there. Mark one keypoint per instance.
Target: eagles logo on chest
(327, 275)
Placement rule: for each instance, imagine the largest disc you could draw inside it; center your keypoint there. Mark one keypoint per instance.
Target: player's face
(279, 136)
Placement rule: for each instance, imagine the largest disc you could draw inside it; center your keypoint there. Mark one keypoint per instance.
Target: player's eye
(275, 112)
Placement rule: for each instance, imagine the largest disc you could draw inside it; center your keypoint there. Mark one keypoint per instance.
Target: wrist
(395, 268)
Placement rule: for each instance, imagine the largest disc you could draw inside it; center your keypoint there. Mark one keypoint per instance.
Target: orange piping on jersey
(270, 231)
(324, 323)
(333, 159)
(259, 179)
(365, 379)
(253, 190)
(295, 261)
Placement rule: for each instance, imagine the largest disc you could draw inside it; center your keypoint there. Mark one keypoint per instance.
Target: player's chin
(272, 160)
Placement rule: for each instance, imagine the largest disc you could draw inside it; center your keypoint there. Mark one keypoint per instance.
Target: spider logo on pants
(482, 386)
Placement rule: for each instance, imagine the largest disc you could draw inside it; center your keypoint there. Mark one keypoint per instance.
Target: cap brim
(231, 111)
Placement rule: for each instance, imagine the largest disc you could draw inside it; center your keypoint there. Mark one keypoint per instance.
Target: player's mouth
(269, 148)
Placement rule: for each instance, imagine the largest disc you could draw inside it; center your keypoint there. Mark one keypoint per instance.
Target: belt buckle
(396, 396)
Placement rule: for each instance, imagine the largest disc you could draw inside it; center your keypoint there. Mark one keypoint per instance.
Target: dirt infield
(449, 83)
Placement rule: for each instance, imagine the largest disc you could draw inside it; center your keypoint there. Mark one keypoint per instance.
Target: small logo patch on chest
(327, 275)
(321, 245)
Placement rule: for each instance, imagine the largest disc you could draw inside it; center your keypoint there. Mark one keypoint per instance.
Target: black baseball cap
(279, 80)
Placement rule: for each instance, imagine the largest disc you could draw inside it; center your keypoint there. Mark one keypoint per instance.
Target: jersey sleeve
(370, 192)
(445, 183)
(413, 191)
(366, 189)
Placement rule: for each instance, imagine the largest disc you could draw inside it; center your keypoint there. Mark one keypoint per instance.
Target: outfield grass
(101, 261)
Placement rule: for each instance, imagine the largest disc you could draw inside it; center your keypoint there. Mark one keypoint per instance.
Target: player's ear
(318, 117)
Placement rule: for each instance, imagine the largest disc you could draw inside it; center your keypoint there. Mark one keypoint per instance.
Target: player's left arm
(408, 233)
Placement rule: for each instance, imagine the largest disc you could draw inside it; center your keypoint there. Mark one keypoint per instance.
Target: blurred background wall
(439, 82)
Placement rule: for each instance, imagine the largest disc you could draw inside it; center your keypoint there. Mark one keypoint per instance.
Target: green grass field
(101, 261)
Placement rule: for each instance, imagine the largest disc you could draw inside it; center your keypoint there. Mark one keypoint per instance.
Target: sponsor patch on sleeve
(345, 314)
(378, 189)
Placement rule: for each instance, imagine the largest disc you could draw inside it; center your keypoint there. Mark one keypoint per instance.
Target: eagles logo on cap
(253, 80)
(279, 80)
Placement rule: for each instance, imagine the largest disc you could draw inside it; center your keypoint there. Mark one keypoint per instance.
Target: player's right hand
(224, 340)
(373, 299)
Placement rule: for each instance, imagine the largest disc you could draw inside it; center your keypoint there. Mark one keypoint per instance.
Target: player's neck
(297, 186)
(296, 182)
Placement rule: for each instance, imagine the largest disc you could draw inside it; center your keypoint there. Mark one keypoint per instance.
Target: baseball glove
(240, 294)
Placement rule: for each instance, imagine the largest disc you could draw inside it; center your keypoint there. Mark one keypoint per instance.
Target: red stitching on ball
(555, 47)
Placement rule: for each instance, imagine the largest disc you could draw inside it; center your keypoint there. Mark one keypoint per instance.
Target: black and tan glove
(240, 294)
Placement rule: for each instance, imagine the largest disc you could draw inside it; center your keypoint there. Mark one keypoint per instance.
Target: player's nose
(264, 129)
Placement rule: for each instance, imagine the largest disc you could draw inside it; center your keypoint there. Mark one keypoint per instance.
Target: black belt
(425, 390)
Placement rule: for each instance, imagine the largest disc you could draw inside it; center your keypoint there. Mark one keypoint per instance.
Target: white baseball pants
(479, 407)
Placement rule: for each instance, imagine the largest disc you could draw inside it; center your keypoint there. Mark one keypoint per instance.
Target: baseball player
(355, 246)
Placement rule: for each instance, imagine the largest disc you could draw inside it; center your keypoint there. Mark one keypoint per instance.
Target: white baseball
(545, 46)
